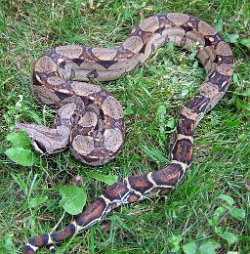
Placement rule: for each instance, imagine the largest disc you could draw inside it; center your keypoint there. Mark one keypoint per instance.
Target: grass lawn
(209, 212)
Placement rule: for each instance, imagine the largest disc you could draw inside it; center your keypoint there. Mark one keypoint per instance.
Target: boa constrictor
(90, 119)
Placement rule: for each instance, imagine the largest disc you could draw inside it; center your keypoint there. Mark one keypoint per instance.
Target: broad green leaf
(209, 247)
(35, 202)
(220, 211)
(9, 246)
(227, 198)
(176, 249)
(232, 38)
(161, 118)
(235, 78)
(219, 25)
(170, 123)
(73, 199)
(154, 69)
(161, 113)
(155, 154)
(230, 237)
(174, 241)
(238, 213)
(190, 248)
(184, 92)
(19, 139)
(218, 230)
(232, 252)
(246, 42)
(107, 179)
(20, 155)
(213, 221)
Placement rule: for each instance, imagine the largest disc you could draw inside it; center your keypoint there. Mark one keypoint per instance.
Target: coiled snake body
(90, 119)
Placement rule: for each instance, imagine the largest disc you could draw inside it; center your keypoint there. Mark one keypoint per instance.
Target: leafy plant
(73, 198)
(20, 152)
(209, 246)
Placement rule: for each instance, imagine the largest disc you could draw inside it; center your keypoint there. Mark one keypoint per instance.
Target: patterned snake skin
(90, 120)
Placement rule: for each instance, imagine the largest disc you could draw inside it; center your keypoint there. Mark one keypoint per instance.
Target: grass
(194, 214)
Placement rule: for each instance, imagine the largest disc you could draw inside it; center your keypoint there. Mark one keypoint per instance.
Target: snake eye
(74, 119)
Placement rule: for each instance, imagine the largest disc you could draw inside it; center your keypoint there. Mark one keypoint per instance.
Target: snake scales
(90, 119)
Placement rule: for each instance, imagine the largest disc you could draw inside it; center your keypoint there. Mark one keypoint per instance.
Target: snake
(90, 121)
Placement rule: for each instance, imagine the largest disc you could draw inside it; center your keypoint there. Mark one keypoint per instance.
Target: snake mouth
(39, 147)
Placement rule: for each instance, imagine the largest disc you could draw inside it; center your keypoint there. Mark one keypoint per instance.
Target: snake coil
(90, 120)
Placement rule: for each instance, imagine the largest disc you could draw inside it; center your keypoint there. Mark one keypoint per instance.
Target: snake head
(44, 139)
